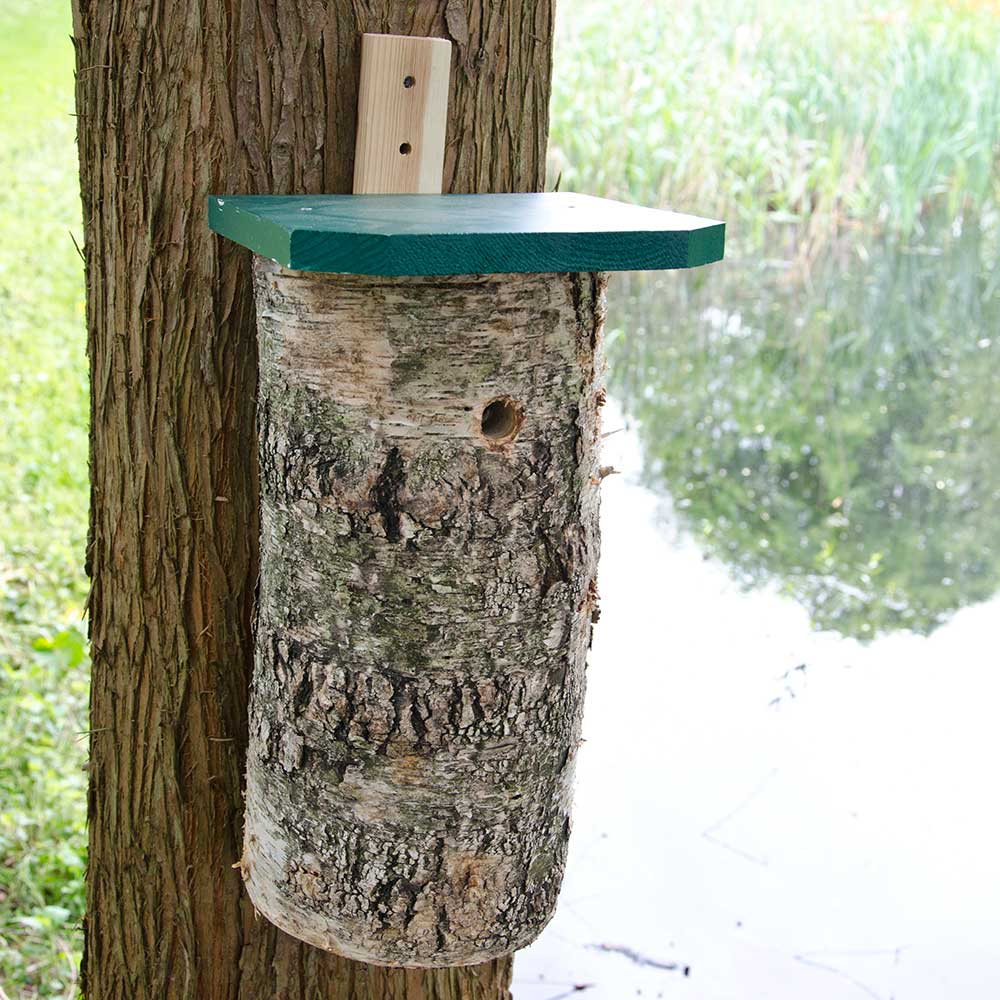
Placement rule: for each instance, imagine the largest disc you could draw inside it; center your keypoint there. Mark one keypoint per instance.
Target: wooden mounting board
(402, 114)
(388, 234)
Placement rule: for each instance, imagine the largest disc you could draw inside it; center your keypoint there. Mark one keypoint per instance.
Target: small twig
(867, 990)
(739, 852)
(633, 956)
(576, 988)
(602, 473)
(77, 245)
(88, 732)
(709, 832)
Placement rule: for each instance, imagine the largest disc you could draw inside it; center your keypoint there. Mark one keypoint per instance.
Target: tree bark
(177, 101)
(429, 543)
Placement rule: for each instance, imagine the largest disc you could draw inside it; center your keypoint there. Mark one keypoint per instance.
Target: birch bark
(428, 457)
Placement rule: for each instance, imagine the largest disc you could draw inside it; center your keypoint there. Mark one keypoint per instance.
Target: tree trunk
(428, 460)
(177, 101)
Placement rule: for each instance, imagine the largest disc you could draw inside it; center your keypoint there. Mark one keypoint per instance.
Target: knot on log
(385, 493)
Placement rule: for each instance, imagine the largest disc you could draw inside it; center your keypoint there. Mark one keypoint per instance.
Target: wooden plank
(402, 114)
(464, 234)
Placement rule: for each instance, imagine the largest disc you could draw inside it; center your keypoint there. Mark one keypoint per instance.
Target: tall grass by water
(812, 128)
(825, 118)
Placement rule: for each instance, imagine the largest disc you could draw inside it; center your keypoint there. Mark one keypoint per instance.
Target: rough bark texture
(429, 480)
(177, 101)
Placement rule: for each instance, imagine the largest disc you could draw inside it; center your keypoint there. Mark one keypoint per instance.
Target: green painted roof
(396, 234)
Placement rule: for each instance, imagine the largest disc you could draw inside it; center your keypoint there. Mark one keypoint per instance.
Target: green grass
(43, 502)
(769, 113)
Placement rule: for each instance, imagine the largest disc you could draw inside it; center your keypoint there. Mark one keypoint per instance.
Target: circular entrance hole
(405, 148)
(501, 420)
(408, 81)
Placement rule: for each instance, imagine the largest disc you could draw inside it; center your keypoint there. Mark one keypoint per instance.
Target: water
(831, 425)
(788, 786)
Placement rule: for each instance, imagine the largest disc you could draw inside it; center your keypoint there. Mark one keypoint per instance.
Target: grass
(43, 500)
(769, 113)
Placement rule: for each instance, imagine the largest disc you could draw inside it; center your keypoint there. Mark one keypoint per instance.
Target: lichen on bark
(425, 605)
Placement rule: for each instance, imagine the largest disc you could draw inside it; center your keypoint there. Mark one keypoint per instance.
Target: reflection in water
(834, 428)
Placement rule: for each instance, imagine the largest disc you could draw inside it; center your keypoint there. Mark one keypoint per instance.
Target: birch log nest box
(430, 383)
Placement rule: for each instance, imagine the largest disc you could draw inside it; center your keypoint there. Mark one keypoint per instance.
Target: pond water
(788, 787)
